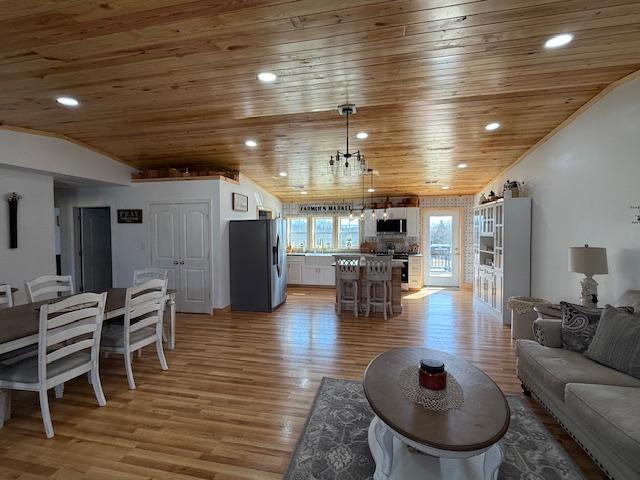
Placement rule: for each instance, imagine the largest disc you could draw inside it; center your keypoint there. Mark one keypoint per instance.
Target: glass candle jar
(432, 374)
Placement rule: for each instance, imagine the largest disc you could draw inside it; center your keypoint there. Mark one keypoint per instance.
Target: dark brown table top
(480, 422)
(24, 320)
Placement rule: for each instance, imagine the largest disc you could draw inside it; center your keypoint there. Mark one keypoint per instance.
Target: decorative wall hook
(12, 200)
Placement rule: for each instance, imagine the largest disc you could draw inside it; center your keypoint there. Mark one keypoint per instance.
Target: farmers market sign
(326, 208)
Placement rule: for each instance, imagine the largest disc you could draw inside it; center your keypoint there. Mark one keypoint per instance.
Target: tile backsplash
(399, 243)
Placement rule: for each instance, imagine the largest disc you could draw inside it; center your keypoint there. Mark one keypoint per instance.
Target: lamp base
(589, 291)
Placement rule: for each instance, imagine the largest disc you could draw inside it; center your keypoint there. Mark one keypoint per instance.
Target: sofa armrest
(548, 332)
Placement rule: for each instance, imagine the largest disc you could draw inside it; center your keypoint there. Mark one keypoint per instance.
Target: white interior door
(195, 247)
(180, 243)
(442, 248)
(164, 241)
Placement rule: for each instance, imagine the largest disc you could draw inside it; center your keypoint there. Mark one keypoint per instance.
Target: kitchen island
(396, 286)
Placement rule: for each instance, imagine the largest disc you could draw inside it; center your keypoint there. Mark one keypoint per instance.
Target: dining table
(19, 327)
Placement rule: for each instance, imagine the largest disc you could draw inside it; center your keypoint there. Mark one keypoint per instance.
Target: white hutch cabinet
(502, 253)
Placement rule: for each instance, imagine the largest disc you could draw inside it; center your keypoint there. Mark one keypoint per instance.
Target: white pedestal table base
(396, 461)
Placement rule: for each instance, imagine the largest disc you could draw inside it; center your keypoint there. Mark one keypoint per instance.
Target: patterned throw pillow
(579, 325)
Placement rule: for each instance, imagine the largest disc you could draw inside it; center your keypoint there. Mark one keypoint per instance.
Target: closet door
(164, 241)
(195, 260)
(180, 241)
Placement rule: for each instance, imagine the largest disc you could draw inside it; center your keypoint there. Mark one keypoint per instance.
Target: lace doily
(436, 400)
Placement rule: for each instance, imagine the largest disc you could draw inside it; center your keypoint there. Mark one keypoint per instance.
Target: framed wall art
(239, 202)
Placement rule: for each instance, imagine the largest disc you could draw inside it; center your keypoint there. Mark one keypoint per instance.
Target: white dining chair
(6, 301)
(49, 286)
(68, 346)
(142, 326)
(6, 298)
(142, 276)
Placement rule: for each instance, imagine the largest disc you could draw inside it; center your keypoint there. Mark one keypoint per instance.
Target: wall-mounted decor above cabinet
(240, 203)
(502, 253)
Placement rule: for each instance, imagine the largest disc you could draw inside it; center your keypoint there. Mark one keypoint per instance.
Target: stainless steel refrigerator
(258, 264)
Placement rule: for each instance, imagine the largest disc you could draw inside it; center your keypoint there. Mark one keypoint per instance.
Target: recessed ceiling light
(559, 40)
(283, 174)
(492, 126)
(68, 101)
(462, 165)
(303, 192)
(371, 190)
(250, 143)
(267, 77)
(445, 187)
(362, 135)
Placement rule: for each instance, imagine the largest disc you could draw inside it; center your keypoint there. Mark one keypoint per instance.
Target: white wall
(35, 254)
(583, 182)
(226, 212)
(59, 157)
(129, 241)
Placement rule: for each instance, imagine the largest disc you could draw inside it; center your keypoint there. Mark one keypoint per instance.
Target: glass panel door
(442, 252)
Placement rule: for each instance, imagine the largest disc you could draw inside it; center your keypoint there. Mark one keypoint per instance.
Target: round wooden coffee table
(453, 445)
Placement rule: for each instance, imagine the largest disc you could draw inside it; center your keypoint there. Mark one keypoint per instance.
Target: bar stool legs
(384, 302)
(342, 298)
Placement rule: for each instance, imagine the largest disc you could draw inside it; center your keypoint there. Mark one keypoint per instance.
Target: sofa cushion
(554, 368)
(617, 341)
(611, 413)
(630, 298)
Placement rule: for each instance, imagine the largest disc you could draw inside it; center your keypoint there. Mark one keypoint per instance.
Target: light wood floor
(238, 390)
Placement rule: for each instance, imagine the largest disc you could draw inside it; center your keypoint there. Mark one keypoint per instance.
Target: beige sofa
(598, 406)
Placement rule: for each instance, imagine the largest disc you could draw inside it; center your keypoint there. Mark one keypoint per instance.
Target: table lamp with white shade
(590, 261)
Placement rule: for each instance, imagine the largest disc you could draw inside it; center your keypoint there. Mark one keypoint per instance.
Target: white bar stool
(379, 273)
(347, 273)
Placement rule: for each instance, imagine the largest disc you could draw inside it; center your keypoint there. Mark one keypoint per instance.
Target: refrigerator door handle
(276, 256)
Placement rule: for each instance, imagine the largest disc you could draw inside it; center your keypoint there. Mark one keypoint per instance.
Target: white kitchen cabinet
(309, 275)
(294, 270)
(413, 221)
(311, 269)
(315, 275)
(295, 264)
(397, 213)
(415, 272)
(369, 224)
(327, 276)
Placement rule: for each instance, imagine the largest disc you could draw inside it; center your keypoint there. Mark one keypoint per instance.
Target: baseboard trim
(225, 309)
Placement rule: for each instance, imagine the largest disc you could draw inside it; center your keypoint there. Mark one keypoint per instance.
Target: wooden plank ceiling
(173, 82)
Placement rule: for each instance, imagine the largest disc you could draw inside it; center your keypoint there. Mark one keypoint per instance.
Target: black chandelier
(347, 163)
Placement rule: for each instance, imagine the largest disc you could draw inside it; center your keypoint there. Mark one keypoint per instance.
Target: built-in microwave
(397, 226)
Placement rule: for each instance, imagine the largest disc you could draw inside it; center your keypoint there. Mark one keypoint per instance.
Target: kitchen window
(298, 237)
(323, 233)
(348, 233)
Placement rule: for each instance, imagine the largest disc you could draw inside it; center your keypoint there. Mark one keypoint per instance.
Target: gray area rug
(334, 446)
